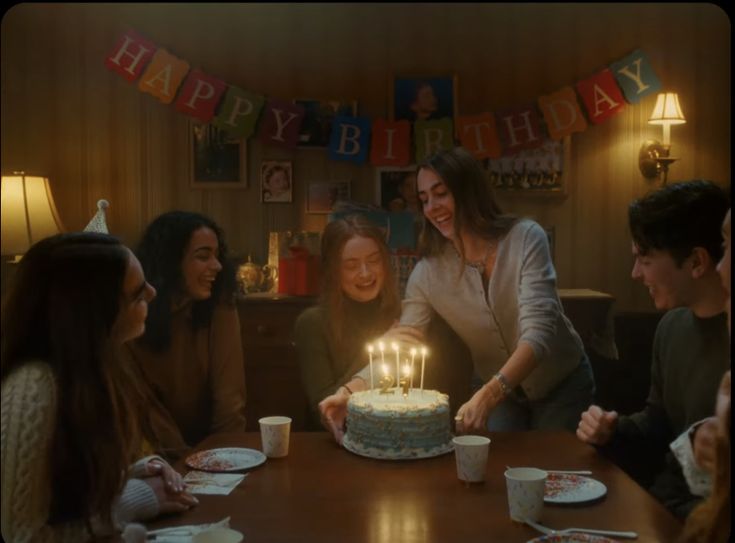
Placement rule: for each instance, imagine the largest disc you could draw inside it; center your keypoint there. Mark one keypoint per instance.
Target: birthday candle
(423, 360)
(370, 353)
(413, 355)
(394, 346)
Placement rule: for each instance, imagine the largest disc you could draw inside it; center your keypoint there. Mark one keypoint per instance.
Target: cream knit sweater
(29, 401)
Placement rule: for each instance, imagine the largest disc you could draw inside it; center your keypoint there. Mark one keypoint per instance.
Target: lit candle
(370, 353)
(423, 360)
(413, 355)
(381, 347)
(394, 346)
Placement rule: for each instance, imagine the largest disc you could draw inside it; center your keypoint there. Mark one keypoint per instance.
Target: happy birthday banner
(487, 135)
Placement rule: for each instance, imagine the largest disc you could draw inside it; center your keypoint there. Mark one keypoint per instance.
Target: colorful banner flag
(200, 95)
(519, 129)
(280, 123)
(350, 139)
(163, 76)
(391, 143)
(478, 134)
(635, 76)
(561, 113)
(130, 55)
(239, 112)
(432, 136)
(601, 96)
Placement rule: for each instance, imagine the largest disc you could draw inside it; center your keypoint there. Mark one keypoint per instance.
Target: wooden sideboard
(272, 367)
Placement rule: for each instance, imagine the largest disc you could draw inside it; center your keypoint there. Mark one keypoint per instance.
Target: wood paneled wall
(65, 115)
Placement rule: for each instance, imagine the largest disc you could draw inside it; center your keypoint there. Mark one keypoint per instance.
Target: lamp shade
(667, 110)
(27, 212)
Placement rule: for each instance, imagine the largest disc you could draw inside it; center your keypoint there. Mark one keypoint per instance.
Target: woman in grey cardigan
(490, 277)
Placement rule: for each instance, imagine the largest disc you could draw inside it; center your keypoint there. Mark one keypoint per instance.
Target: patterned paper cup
(274, 433)
(525, 492)
(471, 455)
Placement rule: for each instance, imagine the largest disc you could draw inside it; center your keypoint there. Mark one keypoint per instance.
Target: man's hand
(596, 426)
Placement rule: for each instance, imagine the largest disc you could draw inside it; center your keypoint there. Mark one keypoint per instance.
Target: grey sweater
(521, 305)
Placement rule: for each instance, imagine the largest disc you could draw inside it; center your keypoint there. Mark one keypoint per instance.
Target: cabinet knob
(262, 329)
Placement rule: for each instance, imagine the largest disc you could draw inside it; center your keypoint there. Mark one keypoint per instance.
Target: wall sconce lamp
(654, 158)
(27, 213)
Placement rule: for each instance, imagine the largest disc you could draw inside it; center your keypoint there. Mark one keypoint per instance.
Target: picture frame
(539, 171)
(393, 189)
(316, 127)
(218, 160)
(423, 97)
(322, 197)
(276, 182)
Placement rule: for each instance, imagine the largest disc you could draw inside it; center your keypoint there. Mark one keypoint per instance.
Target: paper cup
(471, 455)
(525, 492)
(218, 535)
(274, 433)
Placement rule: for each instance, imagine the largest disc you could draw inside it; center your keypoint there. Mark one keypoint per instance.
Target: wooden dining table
(322, 493)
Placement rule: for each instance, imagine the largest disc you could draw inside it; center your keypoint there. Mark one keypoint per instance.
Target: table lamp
(27, 213)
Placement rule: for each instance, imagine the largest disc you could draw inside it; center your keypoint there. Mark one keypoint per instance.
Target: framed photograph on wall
(395, 189)
(322, 197)
(276, 182)
(421, 98)
(316, 128)
(542, 170)
(218, 160)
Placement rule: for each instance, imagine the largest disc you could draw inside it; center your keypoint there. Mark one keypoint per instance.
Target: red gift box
(298, 274)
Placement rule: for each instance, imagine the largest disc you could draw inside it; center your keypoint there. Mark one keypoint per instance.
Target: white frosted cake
(395, 426)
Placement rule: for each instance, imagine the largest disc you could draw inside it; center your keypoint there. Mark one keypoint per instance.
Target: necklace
(479, 265)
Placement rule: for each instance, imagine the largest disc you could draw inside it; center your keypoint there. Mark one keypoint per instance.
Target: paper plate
(572, 488)
(226, 459)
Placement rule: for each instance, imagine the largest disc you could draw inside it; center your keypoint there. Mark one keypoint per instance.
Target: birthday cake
(394, 426)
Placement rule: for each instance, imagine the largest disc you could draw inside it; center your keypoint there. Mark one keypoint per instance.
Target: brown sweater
(200, 378)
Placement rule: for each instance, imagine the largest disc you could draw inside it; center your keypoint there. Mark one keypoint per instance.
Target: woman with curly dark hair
(71, 424)
(191, 353)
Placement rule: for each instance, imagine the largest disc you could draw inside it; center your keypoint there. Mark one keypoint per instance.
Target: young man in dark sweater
(677, 243)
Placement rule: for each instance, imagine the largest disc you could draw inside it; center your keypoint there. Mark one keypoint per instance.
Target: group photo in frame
(395, 189)
(322, 197)
(532, 171)
(423, 98)
(316, 127)
(218, 160)
(276, 182)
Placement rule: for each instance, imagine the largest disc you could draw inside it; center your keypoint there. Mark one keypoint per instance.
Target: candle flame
(413, 351)
(370, 348)
(406, 370)
(394, 346)
(381, 345)
(424, 351)
(385, 368)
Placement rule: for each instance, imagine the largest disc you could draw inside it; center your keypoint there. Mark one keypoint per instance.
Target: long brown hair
(336, 234)
(475, 206)
(64, 299)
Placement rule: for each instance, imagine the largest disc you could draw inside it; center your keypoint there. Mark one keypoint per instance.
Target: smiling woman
(359, 302)
(191, 352)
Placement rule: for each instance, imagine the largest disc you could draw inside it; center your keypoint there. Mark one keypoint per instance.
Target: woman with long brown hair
(70, 412)
(359, 302)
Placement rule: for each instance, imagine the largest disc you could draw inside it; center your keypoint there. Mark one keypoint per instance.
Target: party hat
(99, 221)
